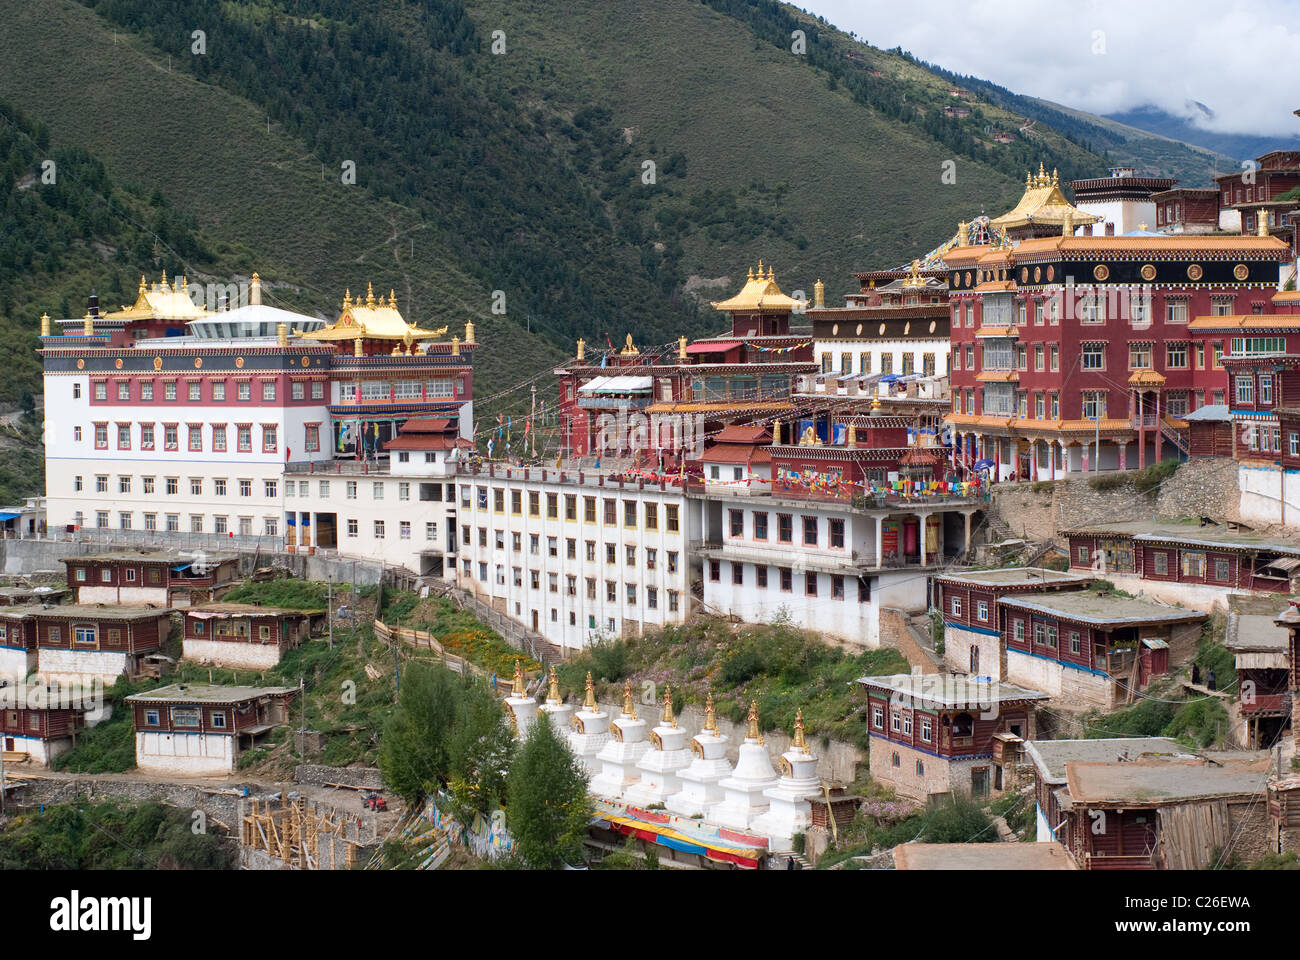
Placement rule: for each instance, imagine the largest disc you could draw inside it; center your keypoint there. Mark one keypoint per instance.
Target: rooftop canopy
(760, 294)
(203, 693)
(374, 320)
(958, 692)
(1043, 204)
(1101, 609)
(160, 301)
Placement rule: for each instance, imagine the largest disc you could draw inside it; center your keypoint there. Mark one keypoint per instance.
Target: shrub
(742, 666)
(1150, 478)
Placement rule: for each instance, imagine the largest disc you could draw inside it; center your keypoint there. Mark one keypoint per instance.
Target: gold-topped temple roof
(374, 319)
(1043, 204)
(760, 294)
(160, 301)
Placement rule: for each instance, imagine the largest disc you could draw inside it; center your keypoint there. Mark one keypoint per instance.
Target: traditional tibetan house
(1187, 210)
(16, 596)
(1260, 646)
(199, 730)
(1256, 204)
(1166, 812)
(149, 576)
(1290, 620)
(80, 642)
(738, 460)
(933, 735)
(243, 635)
(36, 735)
(1184, 562)
(1049, 759)
(968, 601)
(1088, 649)
(1210, 431)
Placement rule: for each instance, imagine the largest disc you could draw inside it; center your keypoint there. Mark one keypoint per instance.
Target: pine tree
(549, 809)
(413, 751)
(479, 750)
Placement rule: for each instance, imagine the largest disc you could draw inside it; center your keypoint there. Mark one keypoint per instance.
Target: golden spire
(1029, 179)
(347, 298)
(668, 717)
(370, 294)
(88, 328)
(629, 708)
(750, 276)
(518, 689)
(392, 297)
(45, 324)
(760, 268)
(753, 733)
(769, 272)
(819, 293)
(1055, 180)
(469, 331)
(681, 348)
(589, 704)
(553, 692)
(1042, 174)
(185, 284)
(710, 717)
(799, 741)
(164, 276)
(143, 284)
(455, 346)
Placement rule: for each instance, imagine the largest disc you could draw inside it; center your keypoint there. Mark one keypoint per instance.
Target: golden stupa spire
(753, 733)
(668, 717)
(760, 268)
(710, 716)
(1042, 174)
(769, 272)
(370, 294)
(347, 298)
(518, 689)
(799, 741)
(553, 692)
(629, 708)
(751, 274)
(589, 704)
(143, 284)
(392, 297)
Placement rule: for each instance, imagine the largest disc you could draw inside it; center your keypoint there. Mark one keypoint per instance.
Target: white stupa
(619, 757)
(522, 708)
(561, 712)
(589, 732)
(667, 756)
(789, 811)
(742, 792)
(700, 791)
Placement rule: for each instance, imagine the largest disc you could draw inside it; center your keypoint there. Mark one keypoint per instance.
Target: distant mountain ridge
(1237, 146)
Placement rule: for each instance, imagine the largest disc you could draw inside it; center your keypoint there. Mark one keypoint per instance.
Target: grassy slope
(212, 155)
(862, 191)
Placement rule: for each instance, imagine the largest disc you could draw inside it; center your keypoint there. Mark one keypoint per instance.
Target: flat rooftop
(982, 856)
(85, 611)
(203, 693)
(1015, 577)
(218, 609)
(1190, 531)
(950, 691)
(1090, 607)
(154, 556)
(1153, 781)
(1254, 632)
(1051, 756)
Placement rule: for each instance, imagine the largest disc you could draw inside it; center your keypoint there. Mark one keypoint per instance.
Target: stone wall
(1202, 487)
(317, 776)
(220, 804)
(896, 633)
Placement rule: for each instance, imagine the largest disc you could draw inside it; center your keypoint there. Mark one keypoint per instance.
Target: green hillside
(522, 171)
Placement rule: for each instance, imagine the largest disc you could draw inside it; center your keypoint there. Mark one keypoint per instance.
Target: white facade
(193, 754)
(575, 561)
(81, 666)
(238, 655)
(913, 355)
(16, 662)
(1269, 495)
(172, 465)
(1127, 215)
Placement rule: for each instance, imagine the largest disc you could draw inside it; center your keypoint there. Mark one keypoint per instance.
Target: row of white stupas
(691, 778)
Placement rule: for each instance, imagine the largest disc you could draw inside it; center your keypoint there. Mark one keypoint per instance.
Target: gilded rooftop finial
(750, 275)
(370, 294)
(589, 704)
(629, 708)
(164, 278)
(518, 688)
(143, 284)
(553, 692)
(760, 268)
(710, 716)
(347, 298)
(799, 741)
(668, 717)
(392, 297)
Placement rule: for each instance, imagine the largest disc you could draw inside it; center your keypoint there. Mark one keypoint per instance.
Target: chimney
(255, 290)
(1110, 229)
(92, 305)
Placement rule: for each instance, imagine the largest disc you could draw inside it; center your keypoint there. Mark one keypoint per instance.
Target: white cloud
(1237, 57)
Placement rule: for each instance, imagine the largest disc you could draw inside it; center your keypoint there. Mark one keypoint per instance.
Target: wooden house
(242, 635)
(149, 576)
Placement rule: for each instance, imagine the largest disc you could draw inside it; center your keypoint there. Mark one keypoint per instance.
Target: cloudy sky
(1241, 58)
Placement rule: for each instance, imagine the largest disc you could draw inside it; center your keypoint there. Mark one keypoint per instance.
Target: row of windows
(1092, 403)
(809, 527)
(171, 486)
(193, 390)
(907, 367)
(171, 523)
(611, 553)
(186, 717)
(785, 579)
(1090, 310)
(171, 433)
(630, 590)
(608, 511)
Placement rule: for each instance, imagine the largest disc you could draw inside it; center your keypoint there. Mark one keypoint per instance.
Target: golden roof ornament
(750, 275)
(753, 733)
(392, 298)
(668, 717)
(553, 691)
(143, 284)
(1067, 225)
(629, 708)
(589, 704)
(370, 294)
(164, 278)
(799, 741)
(710, 715)
(760, 268)
(517, 689)
(347, 298)
(582, 349)
(819, 293)
(629, 349)
(45, 324)
(469, 331)
(88, 325)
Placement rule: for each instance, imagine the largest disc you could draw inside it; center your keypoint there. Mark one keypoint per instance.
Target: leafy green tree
(479, 748)
(549, 809)
(413, 750)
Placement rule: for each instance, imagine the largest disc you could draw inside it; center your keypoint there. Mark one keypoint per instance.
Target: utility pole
(533, 417)
(329, 607)
(302, 736)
